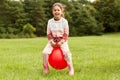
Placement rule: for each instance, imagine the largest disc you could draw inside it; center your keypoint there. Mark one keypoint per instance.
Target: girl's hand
(59, 43)
(53, 44)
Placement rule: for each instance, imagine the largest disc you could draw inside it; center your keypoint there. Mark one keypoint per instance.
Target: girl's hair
(62, 7)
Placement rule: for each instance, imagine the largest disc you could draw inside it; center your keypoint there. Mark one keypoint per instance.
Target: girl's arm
(50, 36)
(66, 32)
(49, 33)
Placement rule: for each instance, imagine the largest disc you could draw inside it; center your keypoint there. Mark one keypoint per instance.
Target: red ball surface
(56, 59)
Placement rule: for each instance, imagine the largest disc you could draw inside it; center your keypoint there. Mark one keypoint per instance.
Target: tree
(13, 18)
(35, 13)
(83, 21)
(109, 10)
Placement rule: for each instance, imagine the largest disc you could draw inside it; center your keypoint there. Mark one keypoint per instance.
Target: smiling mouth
(57, 14)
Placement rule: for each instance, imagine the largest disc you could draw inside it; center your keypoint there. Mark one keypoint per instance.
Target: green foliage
(36, 15)
(8, 35)
(12, 17)
(109, 10)
(28, 29)
(11, 30)
(2, 30)
(2, 35)
(84, 18)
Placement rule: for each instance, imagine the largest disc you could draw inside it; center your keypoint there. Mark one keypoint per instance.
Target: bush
(11, 30)
(2, 30)
(8, 36)
(23, 35)
(28, 29)
(27, 32)
(3, 35)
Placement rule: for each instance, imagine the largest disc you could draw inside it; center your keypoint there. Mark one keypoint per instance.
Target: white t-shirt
(57, 28)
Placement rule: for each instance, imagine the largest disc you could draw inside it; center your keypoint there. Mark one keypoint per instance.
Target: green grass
(94, 58)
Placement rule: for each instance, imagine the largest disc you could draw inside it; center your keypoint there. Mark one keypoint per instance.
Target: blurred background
(28, 18)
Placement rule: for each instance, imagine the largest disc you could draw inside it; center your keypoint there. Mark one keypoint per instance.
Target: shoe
(46, 68)
(71, 70)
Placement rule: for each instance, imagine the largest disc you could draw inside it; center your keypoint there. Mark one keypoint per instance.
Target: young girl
(57, 33)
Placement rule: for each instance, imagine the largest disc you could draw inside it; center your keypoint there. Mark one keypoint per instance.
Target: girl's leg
(45, 63)
(68, 58)
(47, 50)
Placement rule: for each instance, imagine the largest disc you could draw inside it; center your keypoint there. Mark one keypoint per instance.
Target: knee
(67, 53)
(44, 54)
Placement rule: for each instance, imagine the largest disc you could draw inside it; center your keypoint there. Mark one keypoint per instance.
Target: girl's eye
(57, 10)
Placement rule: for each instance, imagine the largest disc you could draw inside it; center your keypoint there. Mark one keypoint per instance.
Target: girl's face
(57, 12)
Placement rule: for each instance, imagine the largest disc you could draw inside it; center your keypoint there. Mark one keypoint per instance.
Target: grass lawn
(94, 58)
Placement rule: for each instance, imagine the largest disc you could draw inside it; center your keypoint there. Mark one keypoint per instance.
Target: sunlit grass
(94, 58)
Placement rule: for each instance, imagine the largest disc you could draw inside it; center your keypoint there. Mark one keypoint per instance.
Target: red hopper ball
(56, 59)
